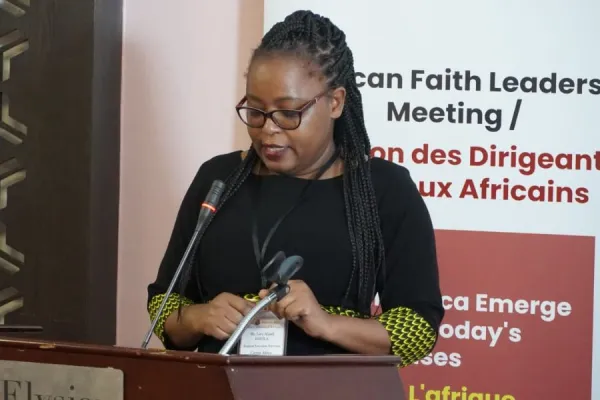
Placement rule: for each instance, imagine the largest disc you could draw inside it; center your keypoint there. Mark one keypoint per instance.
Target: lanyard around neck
(259, 252)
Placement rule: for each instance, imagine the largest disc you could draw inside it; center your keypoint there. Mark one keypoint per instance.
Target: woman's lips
(273, 152)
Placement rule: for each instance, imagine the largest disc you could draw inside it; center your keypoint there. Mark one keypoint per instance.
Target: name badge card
(266, 336)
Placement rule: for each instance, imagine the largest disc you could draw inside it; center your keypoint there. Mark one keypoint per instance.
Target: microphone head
(288, 268)
(214, 195)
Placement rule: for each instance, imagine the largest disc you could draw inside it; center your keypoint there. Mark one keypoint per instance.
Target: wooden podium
(136, 374)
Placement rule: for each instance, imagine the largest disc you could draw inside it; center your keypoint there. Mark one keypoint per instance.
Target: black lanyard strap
(259, 252)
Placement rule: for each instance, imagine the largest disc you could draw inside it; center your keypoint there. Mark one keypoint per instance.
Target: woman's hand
(302, 308)
(219, 318)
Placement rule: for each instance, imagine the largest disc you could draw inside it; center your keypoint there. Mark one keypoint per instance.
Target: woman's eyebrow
(277, 100)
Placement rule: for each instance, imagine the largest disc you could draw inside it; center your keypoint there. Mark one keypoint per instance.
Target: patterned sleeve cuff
(172, 305)
(411, 336)
(252, 297)
(336, 310)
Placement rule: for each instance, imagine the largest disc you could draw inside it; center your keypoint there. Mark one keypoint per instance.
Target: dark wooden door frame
(59, 166)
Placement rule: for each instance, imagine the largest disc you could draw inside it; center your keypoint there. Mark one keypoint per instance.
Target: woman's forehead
(273, 78)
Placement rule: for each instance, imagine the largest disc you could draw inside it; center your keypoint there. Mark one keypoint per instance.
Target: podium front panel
(298, 382)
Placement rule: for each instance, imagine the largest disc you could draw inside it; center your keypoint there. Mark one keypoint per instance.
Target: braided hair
(315, 39)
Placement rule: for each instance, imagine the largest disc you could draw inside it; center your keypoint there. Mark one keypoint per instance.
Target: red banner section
(518, 323)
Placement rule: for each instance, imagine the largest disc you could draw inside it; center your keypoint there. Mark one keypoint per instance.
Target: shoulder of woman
(393, 185)
(221, 165)
(216, 167)
(386, 173)
(396, 192)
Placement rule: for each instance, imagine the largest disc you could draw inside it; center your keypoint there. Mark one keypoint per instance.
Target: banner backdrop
(493, 107)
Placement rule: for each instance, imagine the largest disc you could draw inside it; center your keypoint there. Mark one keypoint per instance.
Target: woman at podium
(307, 186)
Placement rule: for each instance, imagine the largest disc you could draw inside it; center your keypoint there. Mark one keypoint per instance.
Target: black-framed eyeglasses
(287, 119)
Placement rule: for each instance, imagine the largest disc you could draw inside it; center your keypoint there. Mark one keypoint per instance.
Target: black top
(315, 230)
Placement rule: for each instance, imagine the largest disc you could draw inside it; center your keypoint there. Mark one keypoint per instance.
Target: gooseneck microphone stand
(207, 210)
(276, 293)
(280, 278)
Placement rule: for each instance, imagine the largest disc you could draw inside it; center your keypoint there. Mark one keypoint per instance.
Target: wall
(183, 72)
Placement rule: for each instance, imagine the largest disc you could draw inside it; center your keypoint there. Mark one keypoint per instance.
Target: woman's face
(287, 83)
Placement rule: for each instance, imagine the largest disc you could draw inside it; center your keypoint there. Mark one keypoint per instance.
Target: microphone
(207, 209)
(288, 268)
(209, 206)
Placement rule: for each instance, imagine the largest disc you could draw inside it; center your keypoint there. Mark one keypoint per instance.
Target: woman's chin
(278, 163)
